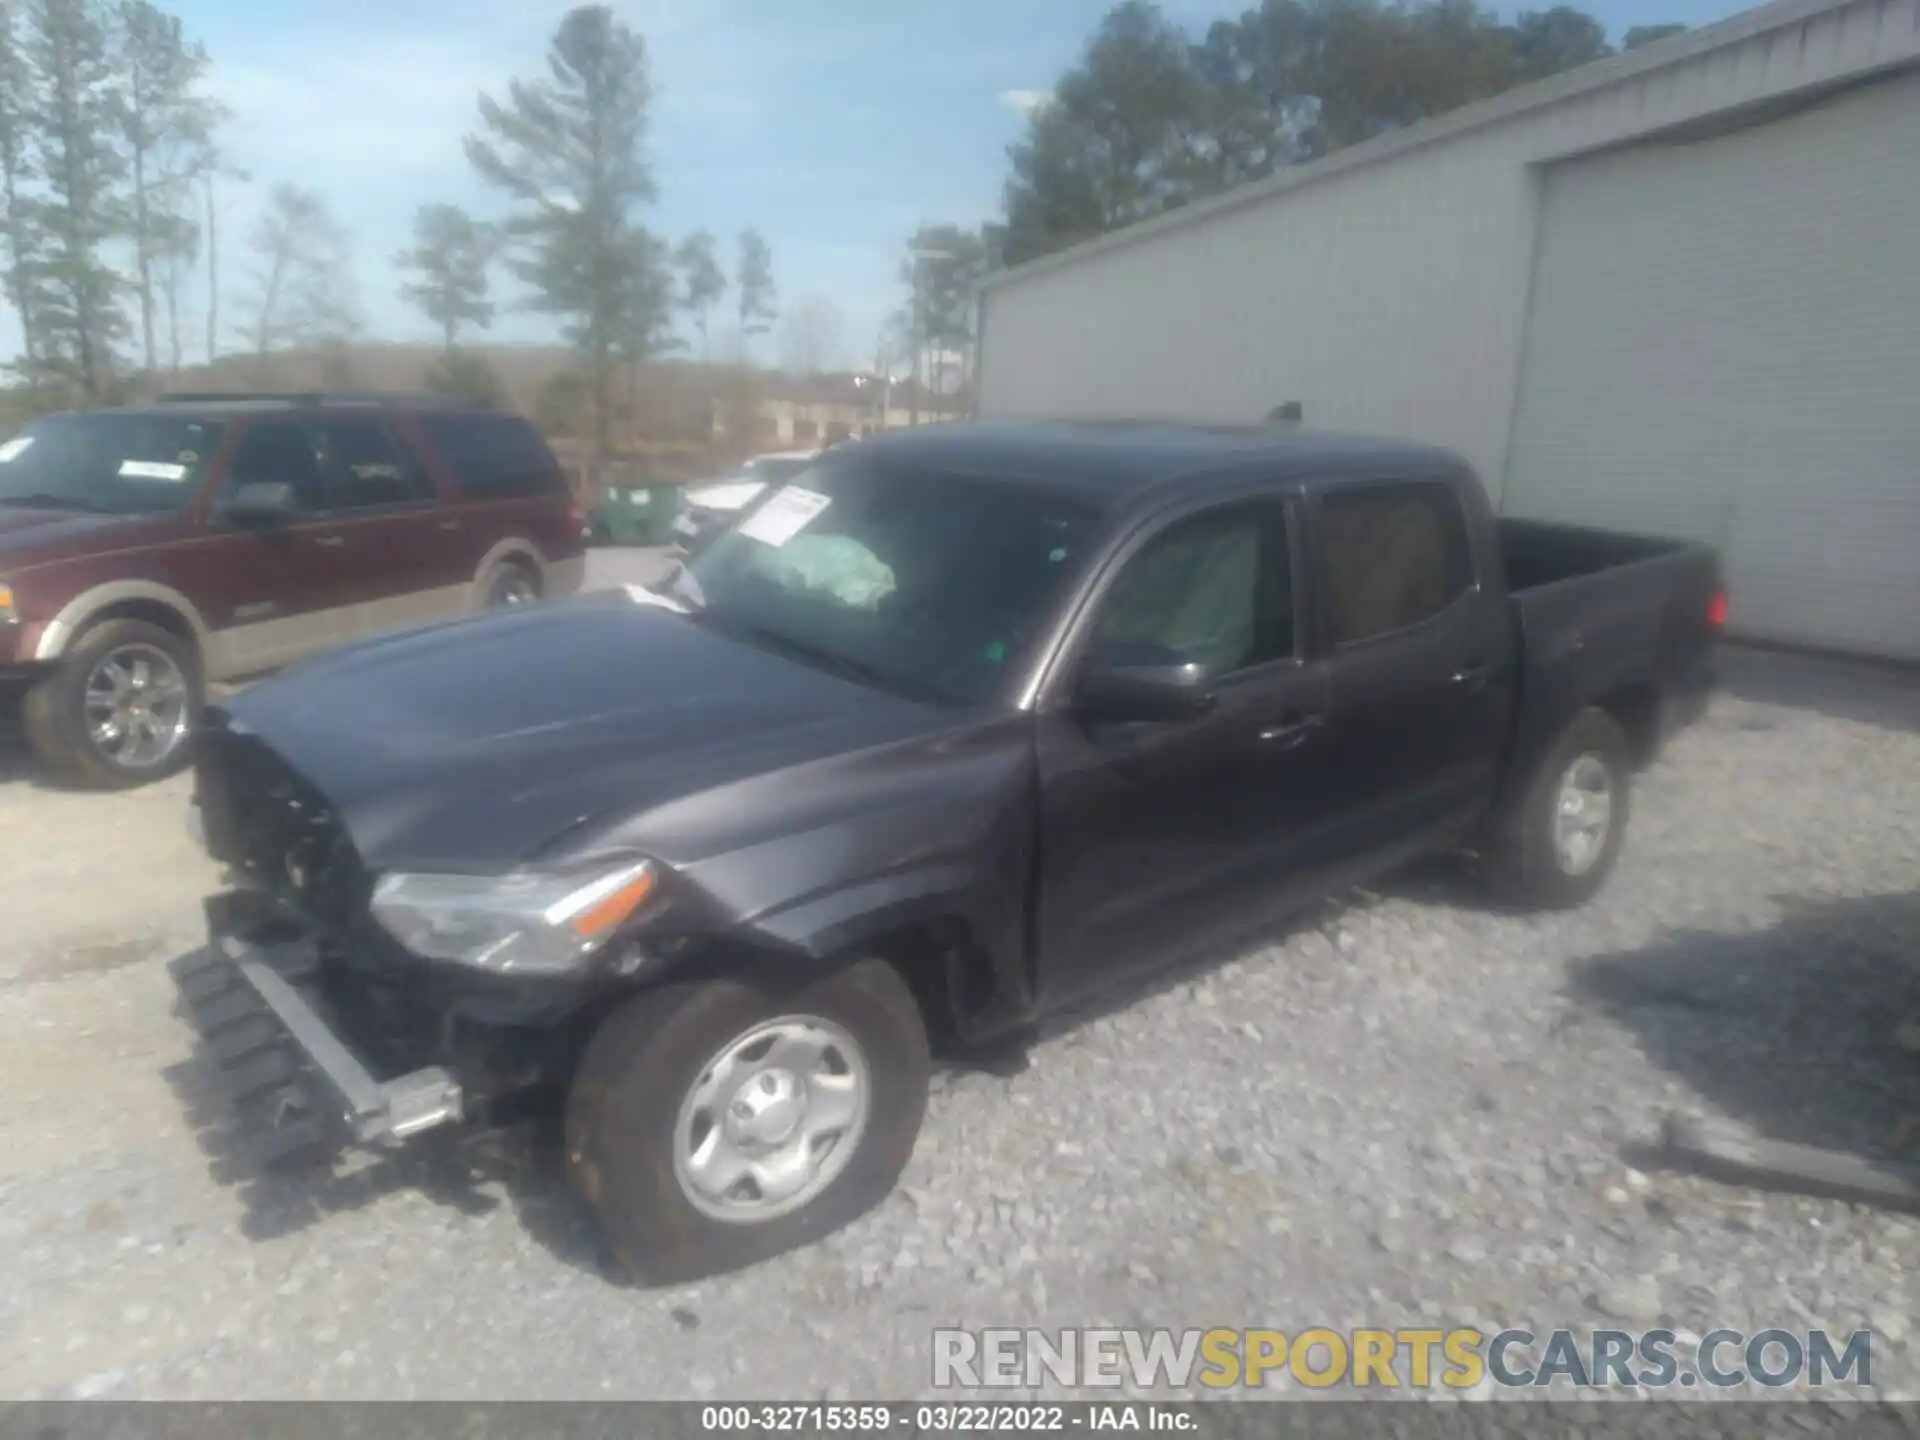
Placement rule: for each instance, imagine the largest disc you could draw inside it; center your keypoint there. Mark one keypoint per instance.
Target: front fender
(842, 919)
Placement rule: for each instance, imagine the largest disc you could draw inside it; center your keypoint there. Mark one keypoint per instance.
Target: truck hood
(479, 744)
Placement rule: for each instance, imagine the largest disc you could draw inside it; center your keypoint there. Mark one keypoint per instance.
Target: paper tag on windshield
(13, 447)
(152, 470)
(785, 515)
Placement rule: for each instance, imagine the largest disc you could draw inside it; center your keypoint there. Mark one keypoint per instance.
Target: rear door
(396, 556)
(1419, 654)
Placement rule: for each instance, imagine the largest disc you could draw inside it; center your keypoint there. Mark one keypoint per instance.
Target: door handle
(1473, 674)
(1294, 727)
(330, 542)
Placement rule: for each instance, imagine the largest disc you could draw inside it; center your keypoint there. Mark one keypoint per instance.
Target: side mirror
(1122, 688)
(268, 502)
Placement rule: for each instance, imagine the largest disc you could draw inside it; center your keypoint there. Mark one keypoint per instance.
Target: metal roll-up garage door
(1723, 343)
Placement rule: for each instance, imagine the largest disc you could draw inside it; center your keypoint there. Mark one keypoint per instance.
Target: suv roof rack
(322, 397)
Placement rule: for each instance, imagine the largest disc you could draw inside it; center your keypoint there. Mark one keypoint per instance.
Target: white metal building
(1676, 291)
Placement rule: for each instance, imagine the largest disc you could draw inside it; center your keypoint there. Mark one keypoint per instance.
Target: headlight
(520, 924)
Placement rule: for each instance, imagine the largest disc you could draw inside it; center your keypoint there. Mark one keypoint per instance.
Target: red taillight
(576, 512)
(1717, 609)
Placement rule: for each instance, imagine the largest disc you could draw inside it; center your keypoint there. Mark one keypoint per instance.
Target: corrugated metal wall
(1724, 343)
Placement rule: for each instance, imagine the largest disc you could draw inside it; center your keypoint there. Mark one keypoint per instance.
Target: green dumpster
(640, 514)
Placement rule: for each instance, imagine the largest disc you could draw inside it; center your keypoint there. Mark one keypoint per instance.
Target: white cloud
(1025, 102)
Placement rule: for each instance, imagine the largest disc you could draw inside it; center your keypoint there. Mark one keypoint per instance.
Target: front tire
(712, 1125)
(120, 709)
(1569, 829)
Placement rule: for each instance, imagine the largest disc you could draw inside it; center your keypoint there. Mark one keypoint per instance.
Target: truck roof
(1110, 461)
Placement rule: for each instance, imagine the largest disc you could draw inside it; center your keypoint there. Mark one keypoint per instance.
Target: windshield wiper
(832, 661)
(41, 500)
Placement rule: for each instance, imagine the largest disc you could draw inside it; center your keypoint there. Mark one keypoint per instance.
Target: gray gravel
(1410, 1109)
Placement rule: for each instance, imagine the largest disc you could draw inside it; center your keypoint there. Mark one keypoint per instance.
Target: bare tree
(810, 336)
(167, 126)
(19, 227)
(304, 290)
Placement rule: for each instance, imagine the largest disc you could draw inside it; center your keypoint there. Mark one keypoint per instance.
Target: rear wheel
(512, 584)
(120, 709)
(1567, 836)
(713, 1125)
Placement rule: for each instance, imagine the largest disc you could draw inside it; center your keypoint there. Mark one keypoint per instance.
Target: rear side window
(494, 457)
(1396, 555)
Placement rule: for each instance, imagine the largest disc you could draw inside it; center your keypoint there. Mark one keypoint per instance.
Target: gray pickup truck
(949, 730)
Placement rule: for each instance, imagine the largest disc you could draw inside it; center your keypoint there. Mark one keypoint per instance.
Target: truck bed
(1603, 617)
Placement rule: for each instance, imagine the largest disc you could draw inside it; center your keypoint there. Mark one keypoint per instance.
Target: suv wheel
(713, 1125)
(512, 584)
(120, 709)
(1574, 817)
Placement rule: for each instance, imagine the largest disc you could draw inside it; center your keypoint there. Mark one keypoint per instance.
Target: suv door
(1420, 663)
(398, 559)
(1152, 833)
(268, 603)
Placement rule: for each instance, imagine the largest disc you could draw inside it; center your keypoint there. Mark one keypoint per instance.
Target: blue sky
(836, 126)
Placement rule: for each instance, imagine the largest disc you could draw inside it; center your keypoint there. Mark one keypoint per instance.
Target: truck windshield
(930, 585)
(106, 462)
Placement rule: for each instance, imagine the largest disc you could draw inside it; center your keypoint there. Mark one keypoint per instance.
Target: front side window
(108, 462)
(933, 585)
(278, 452)
(1216, 590)
(1396, 555)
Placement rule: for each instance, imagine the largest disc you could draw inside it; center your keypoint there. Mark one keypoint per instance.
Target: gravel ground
(1411, 1109)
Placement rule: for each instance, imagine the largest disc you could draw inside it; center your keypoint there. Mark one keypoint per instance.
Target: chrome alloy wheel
(514, 587)
(138, 706)
(1582, 814)
(772, 1120)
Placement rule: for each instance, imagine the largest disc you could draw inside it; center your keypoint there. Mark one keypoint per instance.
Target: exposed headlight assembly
(526, 923)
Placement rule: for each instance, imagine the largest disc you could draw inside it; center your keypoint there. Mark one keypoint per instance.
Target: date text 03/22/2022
(815, 1419)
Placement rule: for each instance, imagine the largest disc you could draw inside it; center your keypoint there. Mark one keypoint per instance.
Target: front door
(1157, 835)
(268, 590)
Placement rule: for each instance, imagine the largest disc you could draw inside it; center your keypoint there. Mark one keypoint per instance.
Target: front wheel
(120, 709)
(715, 1124)
(1567, 835)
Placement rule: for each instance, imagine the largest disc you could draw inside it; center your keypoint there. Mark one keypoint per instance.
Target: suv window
(364, 465)
(1396, 555)
(278, 452)
(494, 457)
(1217, 589)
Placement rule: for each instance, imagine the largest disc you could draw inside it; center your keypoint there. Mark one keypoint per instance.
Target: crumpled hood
(482, 743)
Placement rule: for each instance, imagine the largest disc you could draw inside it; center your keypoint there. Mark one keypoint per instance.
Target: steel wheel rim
(1582, 814)
(514, 589)
(772, 1119)
(137, 706)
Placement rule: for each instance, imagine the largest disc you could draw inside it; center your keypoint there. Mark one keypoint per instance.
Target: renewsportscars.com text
(1451, 1359)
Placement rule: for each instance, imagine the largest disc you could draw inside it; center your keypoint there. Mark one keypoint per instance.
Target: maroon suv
(145, 551)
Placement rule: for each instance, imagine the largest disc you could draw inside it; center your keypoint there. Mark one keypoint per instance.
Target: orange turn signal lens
(612, 910)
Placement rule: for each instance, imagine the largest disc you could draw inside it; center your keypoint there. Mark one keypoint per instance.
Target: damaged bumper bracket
(289, 1072)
